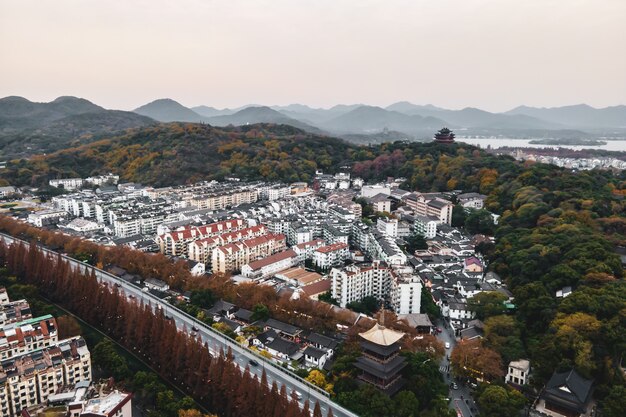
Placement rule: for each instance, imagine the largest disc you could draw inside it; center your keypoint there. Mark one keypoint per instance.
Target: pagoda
(380, 361)
(445, 135)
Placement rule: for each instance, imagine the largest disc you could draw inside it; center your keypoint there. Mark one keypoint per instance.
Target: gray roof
(283, 346)
(579, 390)
(282, 327)
(314, 352)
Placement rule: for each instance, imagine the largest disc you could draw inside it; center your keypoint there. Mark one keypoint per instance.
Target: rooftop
(381, 335)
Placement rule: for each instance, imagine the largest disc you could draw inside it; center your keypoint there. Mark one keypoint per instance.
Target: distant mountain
(470, 117)
(251, 115)
(168, 110)
(580, 115)
(28, 128)
(369, 119)
(410, 108)
(207, 111)
(20, 113)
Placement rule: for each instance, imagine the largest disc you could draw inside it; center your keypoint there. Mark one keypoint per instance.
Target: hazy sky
(493, 54)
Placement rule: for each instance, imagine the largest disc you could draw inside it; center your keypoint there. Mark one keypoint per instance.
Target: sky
(491, 54)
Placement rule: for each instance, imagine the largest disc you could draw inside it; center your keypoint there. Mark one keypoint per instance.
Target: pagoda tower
(445, 135)
(380, 362)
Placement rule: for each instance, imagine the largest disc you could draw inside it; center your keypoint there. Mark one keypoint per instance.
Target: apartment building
(176, 243)
(14, 312)
(335, 254)
(426, 226)
(46, 217)
(400, 286)
(202, 250)
(30, 378)
(25, 336)
(67, 183)
(270, 265)
(222, 200)
(233, 256)
(387, 226)
(431, 204)
(305, 250)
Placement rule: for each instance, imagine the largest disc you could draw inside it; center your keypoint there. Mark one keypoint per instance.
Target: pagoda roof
(380, 335)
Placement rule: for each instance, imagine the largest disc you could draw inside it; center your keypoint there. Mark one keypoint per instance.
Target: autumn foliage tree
(470, 359)
(215, 381)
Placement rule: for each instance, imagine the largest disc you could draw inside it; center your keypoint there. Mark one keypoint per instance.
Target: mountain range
(28, 128)
(407, 118)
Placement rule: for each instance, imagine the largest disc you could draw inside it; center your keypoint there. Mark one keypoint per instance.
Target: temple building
(380, 362)
(445, 135)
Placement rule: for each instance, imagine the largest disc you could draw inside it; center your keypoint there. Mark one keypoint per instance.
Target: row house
(31, 378)
(233, 256)
(176, 243)
(25, 336)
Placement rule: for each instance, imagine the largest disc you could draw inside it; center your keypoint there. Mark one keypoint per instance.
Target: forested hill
(177, 153)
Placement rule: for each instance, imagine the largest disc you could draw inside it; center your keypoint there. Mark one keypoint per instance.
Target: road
(216, 341)
(461, 398)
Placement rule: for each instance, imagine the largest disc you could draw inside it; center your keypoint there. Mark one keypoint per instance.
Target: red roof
(332, 248)
(317, 287)
(277, 257)
(314, 242)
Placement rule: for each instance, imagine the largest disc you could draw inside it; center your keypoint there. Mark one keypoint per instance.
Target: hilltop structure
(445, 135)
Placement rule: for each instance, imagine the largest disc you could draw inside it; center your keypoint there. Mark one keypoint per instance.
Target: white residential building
(518, 372)
(67, 183)
(426, 226)
(270, 265)
(331, 255)
(387, 226)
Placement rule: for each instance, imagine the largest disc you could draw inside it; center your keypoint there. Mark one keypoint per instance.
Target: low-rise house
(517, 372)
(566, 394)
(324, 343)
(314, 357)
(281, 348)
(156, 284)
(222, 308)
(283, 329)
(313, 291)
(472, 200)
(114, 404)
(473, 264)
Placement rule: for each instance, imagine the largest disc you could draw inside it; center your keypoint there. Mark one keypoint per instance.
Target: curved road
(215, 340)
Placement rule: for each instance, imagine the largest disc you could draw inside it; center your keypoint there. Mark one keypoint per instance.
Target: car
(299, 395)
(194, 329)
(473, 385)
(454, 386)
(447, 345)
(253, 362)
(439, 330)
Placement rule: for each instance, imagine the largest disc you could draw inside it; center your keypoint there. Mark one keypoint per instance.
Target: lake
(611, 145)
